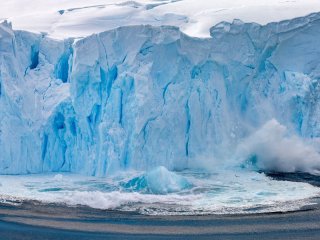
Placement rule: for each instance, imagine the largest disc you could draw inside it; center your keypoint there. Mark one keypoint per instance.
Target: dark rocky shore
(33, 220)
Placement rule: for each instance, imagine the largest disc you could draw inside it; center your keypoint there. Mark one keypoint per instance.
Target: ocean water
(161, 192)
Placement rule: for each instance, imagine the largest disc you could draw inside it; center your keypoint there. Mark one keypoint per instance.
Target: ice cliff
(140, 96)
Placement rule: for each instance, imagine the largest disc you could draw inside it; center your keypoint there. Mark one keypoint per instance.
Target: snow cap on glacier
(66, 18)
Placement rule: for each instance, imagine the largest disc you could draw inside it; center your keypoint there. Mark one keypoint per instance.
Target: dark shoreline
(34, 220)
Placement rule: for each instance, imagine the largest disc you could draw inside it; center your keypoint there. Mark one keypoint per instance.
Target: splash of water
(273, 148)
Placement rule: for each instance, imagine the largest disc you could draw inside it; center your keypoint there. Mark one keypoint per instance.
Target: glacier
(140, 97)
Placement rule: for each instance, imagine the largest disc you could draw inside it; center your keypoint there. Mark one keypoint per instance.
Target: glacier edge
(140, 96)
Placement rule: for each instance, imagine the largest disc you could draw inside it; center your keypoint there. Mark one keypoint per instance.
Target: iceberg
(140, 97)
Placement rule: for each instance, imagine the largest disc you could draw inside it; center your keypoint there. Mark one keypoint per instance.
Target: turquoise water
(161, 192)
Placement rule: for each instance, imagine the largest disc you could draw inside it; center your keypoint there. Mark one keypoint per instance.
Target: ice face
(30, 93)
(141, 97)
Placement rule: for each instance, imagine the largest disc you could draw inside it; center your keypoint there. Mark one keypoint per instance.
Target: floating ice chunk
(158, 181)
(58, 177)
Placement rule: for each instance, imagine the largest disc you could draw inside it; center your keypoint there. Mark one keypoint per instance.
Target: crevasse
(139, 97)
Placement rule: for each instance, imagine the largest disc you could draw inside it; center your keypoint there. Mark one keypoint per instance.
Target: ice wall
(30, 93)
(140, 97)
